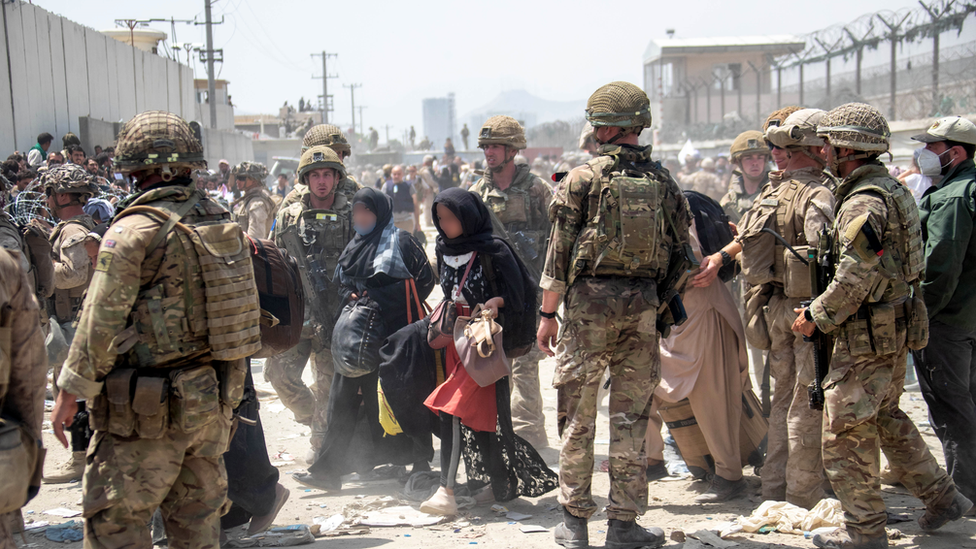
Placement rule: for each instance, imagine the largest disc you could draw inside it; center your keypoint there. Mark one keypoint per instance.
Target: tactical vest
(64, 304)
(764, 259)
(513, 208)
(627, 229)
(903, 261)
(201, 294)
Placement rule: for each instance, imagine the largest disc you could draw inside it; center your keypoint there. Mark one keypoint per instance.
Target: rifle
(821, 271)
(316, 283)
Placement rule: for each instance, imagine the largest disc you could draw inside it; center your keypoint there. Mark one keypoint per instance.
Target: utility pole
(209, 53)
(387, 132)
(325, 83)
(352, 94)
(362, 124)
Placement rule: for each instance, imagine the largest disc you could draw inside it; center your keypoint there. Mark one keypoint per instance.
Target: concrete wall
(54, 71)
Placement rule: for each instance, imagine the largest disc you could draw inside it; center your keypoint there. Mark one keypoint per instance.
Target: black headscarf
(357, 259)
(516, 284)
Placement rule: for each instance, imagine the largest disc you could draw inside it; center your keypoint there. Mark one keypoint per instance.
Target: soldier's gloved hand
(63, 414)
(708, 271)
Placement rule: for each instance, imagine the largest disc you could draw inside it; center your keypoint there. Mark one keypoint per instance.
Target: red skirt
(460, 396)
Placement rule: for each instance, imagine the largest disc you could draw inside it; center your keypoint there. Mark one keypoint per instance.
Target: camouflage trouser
(793, 470)
(861, 417)
(527, 416)
(309, 404)
(608, 324)
(127, 478)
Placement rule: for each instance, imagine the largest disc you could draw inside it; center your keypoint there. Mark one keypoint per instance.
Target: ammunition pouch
(873, 329)
(917, 316)
(796, 277)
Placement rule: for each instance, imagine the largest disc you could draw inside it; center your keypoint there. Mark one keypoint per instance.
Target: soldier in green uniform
(620, 227)
(330, 136)
(322, 222)
(170, 315)
(795, 204)
(256, 208)
(68, 188)
(520, 202)
(875, 312)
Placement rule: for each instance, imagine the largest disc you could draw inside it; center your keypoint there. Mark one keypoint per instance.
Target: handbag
(356, 340)
(440, 332)
(478, 341)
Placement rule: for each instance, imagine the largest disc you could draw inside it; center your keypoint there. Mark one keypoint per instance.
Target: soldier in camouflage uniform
(750, 156)
(609, 289)
(23, 371)
(875, 317)
(322, 218)
(520, 202)
(256, 209)
(68, 188)
(795, 204)
(330, 136)
(170, 314)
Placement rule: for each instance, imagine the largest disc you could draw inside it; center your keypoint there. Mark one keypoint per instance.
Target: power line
(352, 95)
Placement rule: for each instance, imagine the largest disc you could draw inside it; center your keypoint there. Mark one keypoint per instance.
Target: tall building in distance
(440, 121)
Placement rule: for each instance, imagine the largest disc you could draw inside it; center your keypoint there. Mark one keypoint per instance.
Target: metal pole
(211, 86)
(325, 89)
(801, 83)
(935, 73)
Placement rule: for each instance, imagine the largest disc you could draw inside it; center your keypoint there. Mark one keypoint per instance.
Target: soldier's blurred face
(753, 165)
(321, 182)
(449, 223)
(496, 155)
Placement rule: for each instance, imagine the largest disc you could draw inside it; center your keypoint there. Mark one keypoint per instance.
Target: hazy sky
(402, 52)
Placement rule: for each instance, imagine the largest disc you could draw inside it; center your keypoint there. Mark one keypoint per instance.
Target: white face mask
(929, 163)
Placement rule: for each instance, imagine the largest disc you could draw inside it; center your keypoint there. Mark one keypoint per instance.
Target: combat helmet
(746, 143)
(502, 130)
(158, 140)
(320, 156)
(253, 170)
(69, 179)
(620, 104)
(329, 135)
(857, 126)
(777, 117)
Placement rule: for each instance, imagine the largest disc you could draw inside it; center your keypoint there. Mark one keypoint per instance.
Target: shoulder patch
(104, 261)
(858, 240)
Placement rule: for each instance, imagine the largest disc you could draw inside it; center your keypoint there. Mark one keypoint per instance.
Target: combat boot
(722, 490)
(950, 507)
(70, 471)
(571, 532)
(656, 470)
(630, 535)
(841, 539)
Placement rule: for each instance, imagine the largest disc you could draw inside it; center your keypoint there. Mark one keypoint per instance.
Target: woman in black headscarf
(499, 465)
(380, 264)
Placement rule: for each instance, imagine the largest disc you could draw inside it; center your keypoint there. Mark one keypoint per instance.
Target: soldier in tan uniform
(750, 156)
(256, 209)
(314, 230)
(796, 205)
(23, 371)
(171, 313)
(520, 201)
(427, 189)
(68, 188)
(874, 310)
(330, 136)
(705, 181)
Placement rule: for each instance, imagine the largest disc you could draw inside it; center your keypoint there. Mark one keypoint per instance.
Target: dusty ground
(670, 506)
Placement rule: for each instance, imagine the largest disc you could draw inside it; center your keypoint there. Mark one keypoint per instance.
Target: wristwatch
(807, 314)
(544, 314)
(726, 258)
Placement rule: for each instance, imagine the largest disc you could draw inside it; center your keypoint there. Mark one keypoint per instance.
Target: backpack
(714, 232)
(281, 295)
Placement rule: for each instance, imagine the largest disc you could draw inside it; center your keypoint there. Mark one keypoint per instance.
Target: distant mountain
(525, 107)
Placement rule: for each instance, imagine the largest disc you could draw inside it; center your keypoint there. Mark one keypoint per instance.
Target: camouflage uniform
(254, 211)
(158, 316)
(24, 361)
(706, 183)
(72, 274)
(328, 233)
(609, 322)
(799, 205)
(737, 202)
(523, 209)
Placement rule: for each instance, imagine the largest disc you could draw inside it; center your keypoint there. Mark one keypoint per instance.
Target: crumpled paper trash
(787, 518)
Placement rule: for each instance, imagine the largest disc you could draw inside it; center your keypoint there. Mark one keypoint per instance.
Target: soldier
(705, 181)
(609, 289)
(23, 371)
(795, 204)
(256, 209)
(520, 201)
(322, 218)
(427, 189)
(68, 189)
(465, 133)
(750, 156)
(168, 319)
(332, 137)
(875, 317)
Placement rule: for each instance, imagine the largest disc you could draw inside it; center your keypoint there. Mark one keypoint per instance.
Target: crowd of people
(145, 282)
